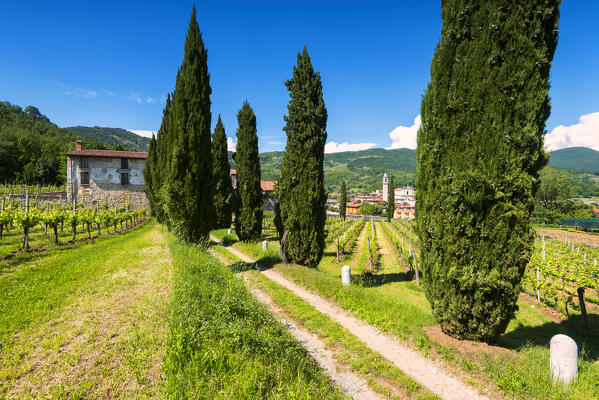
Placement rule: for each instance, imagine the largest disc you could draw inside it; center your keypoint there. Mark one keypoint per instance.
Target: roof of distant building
(109, 153)
(267, 186)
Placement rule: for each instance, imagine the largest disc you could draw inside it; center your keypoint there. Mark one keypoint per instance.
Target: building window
(84, 162)
(85, 178)
(124, 178)
(124, 163)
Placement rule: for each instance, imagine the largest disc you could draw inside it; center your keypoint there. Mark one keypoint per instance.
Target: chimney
(78, 145)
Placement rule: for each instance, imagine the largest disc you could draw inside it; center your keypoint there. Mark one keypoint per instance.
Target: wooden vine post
(416, 268)
(338, 250)
(2, 226)
(369, 257)
(74, 224)
(583, 309)
(26, 228)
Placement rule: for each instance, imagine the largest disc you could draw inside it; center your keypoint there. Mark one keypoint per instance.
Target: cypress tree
(223, 190)
(302, 193)
(391, 199)
(480, 149)
(190, 186)
(248, 217)
(149, 172)
(343, 201)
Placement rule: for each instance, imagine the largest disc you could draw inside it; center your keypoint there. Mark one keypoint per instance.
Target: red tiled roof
(352, 205)
(233, 172)
(267, 186)
(109, 153)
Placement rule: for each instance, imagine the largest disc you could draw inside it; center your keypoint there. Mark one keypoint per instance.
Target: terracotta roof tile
(109, 153)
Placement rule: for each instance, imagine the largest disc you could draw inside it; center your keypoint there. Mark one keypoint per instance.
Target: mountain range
(363, 170)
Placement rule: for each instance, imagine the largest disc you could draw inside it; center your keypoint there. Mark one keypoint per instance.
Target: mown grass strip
(350, 352)
(224, 344)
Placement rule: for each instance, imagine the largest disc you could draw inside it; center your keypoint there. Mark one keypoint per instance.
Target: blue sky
(112, 64)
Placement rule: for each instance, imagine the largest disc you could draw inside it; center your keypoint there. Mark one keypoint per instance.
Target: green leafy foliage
(248, 216)
(480, 149)
(301, 187)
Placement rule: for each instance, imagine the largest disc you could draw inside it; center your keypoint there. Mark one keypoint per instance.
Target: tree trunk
(55, 226)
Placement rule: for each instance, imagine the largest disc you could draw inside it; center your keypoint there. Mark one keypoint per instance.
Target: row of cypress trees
(187, 175)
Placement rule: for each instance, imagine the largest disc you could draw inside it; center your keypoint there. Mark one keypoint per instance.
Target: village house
(352, 208)
(403, 211)
(98, 176)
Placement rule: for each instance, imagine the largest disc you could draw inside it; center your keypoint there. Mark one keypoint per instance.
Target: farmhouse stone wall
(105, 182)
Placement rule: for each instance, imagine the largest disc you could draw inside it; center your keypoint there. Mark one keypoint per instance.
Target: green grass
(87, 319)
(224, 344)
(349, 352)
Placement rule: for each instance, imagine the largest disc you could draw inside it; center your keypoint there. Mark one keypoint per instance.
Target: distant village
(405, 201)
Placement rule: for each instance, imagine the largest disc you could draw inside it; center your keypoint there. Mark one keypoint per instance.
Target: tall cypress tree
(149, 172)
(190, 186)
(248, 216)
(223, 190)
(302, 193)
(343, 200)
(480, 149)
(390, 199)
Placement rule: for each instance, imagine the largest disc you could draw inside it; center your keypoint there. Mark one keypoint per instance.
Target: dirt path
(426, 372)
(351, 383)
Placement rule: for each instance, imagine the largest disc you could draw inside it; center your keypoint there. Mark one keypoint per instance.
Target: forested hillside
(579, 158)
(32, 148)
(112, 137)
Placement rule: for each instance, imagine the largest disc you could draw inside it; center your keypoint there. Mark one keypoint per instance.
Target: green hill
(362, 170)
(578, 158)
(112, 136)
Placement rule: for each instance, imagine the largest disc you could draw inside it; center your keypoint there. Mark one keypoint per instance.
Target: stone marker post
(563, 358)
(265, 245)
(345, 275)
(229, 231)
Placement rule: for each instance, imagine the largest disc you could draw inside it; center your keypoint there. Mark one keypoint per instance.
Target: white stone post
(229, 231)
(345, 275)
(265, 245)
(563, 358)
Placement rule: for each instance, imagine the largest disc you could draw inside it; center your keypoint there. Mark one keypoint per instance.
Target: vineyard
(8, 189)
(33, 224)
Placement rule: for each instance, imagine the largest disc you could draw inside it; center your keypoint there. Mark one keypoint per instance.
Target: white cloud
(405, 136)
(334, 147)
(583, 134)
(231, 146)
(135, 97)
(79, 92)
(151, 100)
(275, 142)
(147, 134)
(110, 93)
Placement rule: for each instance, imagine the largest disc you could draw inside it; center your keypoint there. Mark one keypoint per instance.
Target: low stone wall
(113, 194)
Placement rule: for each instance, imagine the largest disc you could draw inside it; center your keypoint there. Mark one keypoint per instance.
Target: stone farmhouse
(114, 177)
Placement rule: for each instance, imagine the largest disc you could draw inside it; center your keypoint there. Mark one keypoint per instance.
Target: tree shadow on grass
(375, 280)
(587, 339)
